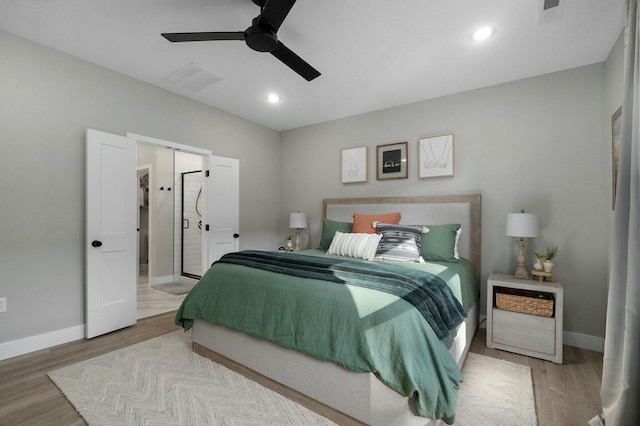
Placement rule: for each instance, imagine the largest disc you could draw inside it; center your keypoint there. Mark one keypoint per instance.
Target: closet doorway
(170, 239)
(142, 253)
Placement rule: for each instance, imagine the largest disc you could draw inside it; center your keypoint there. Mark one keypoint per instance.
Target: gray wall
(613, 83)
(539, 144)
(48, 100)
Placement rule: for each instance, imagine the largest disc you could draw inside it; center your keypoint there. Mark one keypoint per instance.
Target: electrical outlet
(3, 304)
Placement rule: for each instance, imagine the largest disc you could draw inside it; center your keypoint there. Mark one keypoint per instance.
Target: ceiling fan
(260, 36)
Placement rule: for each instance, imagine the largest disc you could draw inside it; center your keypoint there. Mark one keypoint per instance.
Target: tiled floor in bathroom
(153, 302)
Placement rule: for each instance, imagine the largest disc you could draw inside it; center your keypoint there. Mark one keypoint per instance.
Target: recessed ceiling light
(482, 33)
(273, 98)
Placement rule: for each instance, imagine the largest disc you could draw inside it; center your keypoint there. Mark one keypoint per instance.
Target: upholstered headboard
(420, 210)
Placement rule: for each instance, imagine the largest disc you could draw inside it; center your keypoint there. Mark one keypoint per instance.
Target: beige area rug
(495, 393)
(162, 382)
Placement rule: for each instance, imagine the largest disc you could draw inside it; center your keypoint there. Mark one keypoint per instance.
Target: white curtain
(620, 390)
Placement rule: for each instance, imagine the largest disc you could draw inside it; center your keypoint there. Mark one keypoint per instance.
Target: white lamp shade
(523, 225)
(297, 220)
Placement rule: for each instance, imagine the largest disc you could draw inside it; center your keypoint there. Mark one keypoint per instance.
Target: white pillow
(361, 246)
(456, 255)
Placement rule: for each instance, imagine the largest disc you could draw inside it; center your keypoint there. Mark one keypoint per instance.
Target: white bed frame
(346, 397)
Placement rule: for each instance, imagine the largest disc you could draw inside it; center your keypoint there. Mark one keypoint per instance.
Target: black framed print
(391, 160)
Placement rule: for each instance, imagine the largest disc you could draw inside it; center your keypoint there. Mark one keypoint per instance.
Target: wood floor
(566, 394)
(28, 397)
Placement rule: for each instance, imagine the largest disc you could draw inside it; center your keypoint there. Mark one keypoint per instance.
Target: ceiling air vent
(548, 4)
(192, 77)
(550, 11)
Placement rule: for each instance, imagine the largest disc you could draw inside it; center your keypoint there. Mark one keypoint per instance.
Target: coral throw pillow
(364, 223)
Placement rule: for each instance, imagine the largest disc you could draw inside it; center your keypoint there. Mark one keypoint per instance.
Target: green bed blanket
(426, 291)
(361, 329)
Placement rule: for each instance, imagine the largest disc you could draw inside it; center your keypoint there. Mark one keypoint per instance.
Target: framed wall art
(354, 165)
(391, 160)
(435, 156)
(616, 124)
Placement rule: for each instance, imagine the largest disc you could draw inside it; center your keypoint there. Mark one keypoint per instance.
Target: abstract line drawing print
(354, 165)
(436, 156)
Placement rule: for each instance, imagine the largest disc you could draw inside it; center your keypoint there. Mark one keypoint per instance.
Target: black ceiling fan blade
(295, 62)
(274, 12)
(204, 36)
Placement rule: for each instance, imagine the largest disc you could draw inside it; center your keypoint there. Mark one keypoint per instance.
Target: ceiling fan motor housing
(259, 38)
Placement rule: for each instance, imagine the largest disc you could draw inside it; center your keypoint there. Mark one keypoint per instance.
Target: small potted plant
(552, 252)
(538, 265)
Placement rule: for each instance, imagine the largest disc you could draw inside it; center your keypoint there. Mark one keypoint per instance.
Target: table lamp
(299, 221)
(522, 225)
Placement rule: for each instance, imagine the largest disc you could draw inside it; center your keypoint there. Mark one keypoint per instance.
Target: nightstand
(525, 317)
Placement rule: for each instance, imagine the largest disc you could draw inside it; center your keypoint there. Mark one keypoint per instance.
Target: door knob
(96, 243)
(236, 235)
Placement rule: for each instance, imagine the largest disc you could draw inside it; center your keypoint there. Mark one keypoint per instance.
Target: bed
(308, 366)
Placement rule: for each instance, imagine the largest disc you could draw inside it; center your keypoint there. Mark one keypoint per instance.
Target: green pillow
(439, 243)
(329, 228)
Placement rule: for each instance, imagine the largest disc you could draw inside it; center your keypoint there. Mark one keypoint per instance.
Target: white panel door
(223, 209)
(111, 233)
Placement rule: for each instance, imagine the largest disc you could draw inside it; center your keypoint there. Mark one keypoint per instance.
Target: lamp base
(521, 274)
(521, 271)
(297, 247)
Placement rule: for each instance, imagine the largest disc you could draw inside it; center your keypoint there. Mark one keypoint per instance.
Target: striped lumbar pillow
(361, 246)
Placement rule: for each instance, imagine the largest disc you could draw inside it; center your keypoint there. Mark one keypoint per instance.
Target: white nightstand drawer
(524, 331)
(515, 331)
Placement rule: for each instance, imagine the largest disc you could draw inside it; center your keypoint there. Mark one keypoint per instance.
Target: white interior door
(111, 233)
(223, 209)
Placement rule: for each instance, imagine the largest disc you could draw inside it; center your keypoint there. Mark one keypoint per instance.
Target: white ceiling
(373, 54)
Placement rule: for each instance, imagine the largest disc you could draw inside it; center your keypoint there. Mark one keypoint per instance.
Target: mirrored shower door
(191, 224)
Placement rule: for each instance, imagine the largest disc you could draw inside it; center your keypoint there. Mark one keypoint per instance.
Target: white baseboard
(584, 341)
(41, 341)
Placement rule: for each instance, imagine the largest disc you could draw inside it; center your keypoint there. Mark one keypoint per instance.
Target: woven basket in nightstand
(526, 302)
